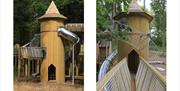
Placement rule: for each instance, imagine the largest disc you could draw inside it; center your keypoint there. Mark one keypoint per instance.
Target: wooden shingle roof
(52, 12)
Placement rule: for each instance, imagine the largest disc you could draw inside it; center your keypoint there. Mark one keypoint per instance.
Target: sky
(148, 2)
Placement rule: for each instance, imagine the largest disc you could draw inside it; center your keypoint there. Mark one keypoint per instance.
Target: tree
(27, 12)
(106, 9)
(159, 9)
(22, 19)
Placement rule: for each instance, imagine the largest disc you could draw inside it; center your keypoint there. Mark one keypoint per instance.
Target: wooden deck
(133, 82)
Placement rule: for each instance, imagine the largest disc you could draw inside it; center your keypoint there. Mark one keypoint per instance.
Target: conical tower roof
(52, 12)
(134, 9)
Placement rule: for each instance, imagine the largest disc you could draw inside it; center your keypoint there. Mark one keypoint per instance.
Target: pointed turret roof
(134, 9)
(52, 12)
(52, 8)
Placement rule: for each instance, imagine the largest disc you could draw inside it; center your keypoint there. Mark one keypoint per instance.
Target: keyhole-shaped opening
(51, 72)
(133, 61)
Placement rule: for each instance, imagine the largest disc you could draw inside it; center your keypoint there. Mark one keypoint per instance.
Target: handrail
(31, 52)
(117, 79)
(159, 75)
(148, 78)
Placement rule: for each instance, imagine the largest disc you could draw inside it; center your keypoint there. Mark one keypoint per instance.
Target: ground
(34, 86)
(161, 64)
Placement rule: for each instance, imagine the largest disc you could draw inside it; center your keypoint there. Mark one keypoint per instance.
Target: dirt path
(32, 86)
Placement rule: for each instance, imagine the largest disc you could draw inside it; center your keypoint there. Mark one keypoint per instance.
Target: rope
(142, 36)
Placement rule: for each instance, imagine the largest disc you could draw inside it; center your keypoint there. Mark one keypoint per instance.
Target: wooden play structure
(132, 72)
(49, 39)
(57, 51)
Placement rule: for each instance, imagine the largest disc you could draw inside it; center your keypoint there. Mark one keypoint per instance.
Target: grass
(51, 86)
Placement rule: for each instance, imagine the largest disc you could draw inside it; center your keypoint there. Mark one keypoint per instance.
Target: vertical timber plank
(37, 66)
(28, 69)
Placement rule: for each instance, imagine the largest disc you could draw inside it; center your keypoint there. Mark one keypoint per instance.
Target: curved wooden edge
(157, 73)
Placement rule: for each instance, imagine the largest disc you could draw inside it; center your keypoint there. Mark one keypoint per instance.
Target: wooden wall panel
(54, 52)
(139, 43)
(141, 24)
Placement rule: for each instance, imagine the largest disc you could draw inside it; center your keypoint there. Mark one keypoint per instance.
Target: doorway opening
(51, 72)
(133, 61)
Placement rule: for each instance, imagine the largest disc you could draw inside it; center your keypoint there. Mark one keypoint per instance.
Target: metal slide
(71, 37)
(105, 66)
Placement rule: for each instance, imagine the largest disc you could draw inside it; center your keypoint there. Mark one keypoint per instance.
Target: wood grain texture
(135, 42)
(54, 52)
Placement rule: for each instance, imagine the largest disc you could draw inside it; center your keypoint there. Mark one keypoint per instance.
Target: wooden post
(32, 66)
(29, 69)
(77, 70)
(26, 70)
(110, 47)
(19, 68)
(19, 60)
(37, 66)
(23, 68)
(15, 65)
(70, 69)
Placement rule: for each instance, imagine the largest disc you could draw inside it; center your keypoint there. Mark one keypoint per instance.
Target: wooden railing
(148, 78)
(117, 79)
(29, 52)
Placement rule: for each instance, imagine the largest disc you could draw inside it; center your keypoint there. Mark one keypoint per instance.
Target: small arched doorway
(133, 61)
(51, 72)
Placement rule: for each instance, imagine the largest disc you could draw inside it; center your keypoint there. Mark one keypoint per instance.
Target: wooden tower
(137, 44)
(52, 67)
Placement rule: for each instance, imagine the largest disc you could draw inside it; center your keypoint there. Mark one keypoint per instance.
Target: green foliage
(106, 10)
(22, 15)
(159, 10)
(27, 12)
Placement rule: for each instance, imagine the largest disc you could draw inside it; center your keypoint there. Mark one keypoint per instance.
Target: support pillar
(15, 66)
(77, 70)
(37, 66)
(18, 60)
(32, 66)
(70, 69)
(19, 68)
(27, 69)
